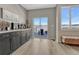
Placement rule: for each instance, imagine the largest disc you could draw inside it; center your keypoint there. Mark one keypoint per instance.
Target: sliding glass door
(40, 26)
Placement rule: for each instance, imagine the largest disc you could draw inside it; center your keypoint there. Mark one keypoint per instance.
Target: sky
(74, 15)
(42, 20)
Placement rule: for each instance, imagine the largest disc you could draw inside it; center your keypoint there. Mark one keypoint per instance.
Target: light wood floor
(46, 47)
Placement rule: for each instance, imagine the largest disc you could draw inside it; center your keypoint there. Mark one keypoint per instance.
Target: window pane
(44, 23)
(64, 17)
(36, 21)
(44, 20)
(75, 17)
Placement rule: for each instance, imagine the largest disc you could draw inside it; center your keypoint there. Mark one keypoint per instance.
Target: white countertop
(15, 30)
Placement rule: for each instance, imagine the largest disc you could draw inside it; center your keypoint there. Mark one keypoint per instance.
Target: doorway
(40, 27)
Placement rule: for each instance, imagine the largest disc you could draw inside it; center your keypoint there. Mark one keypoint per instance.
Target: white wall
(17, 9)
(51, 14)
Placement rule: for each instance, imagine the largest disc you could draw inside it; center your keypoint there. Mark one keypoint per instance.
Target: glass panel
(44, 20)
(75, 17)
(64, 17)
(44, 24)
(40, 24)
(36, 23)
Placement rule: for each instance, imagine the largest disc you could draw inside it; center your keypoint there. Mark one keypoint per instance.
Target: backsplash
(10, 16)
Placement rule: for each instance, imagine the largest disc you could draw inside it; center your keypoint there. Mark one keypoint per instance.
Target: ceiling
(37, 6)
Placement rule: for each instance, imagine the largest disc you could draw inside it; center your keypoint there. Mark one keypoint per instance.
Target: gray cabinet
(15, 40)
(25, 36)
(23, 39)
(28, 35)
(4, 44)
(10, 41)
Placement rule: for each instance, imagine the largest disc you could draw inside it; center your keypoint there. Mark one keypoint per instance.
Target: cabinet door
(23, 39)
(15, 41)
(28, 35)
(4, 44)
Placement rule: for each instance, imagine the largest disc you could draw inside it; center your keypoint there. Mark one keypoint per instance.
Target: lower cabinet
(15, 40)
(9, 42)
(29, 34)
(23, 39)
(4, 44)
(26, 39)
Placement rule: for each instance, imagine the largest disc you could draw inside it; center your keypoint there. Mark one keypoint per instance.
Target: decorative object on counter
(6, 28)
(24, 26)
(15, 26)
(12, 25)
(18, 26)
(4, 25)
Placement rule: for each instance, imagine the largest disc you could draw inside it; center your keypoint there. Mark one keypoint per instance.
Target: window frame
(70, 18)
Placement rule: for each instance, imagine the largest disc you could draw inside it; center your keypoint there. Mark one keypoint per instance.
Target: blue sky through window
(44, 21)
(74, 15)
(65, 16)
(36, 21)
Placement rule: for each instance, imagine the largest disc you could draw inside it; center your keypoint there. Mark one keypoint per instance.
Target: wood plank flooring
(46, 47)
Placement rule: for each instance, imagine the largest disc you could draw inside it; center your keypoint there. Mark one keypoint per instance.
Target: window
(44, 20)
(40, 23)
(65, 17)
(36, 21)
(75, 17)
(70, 17)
